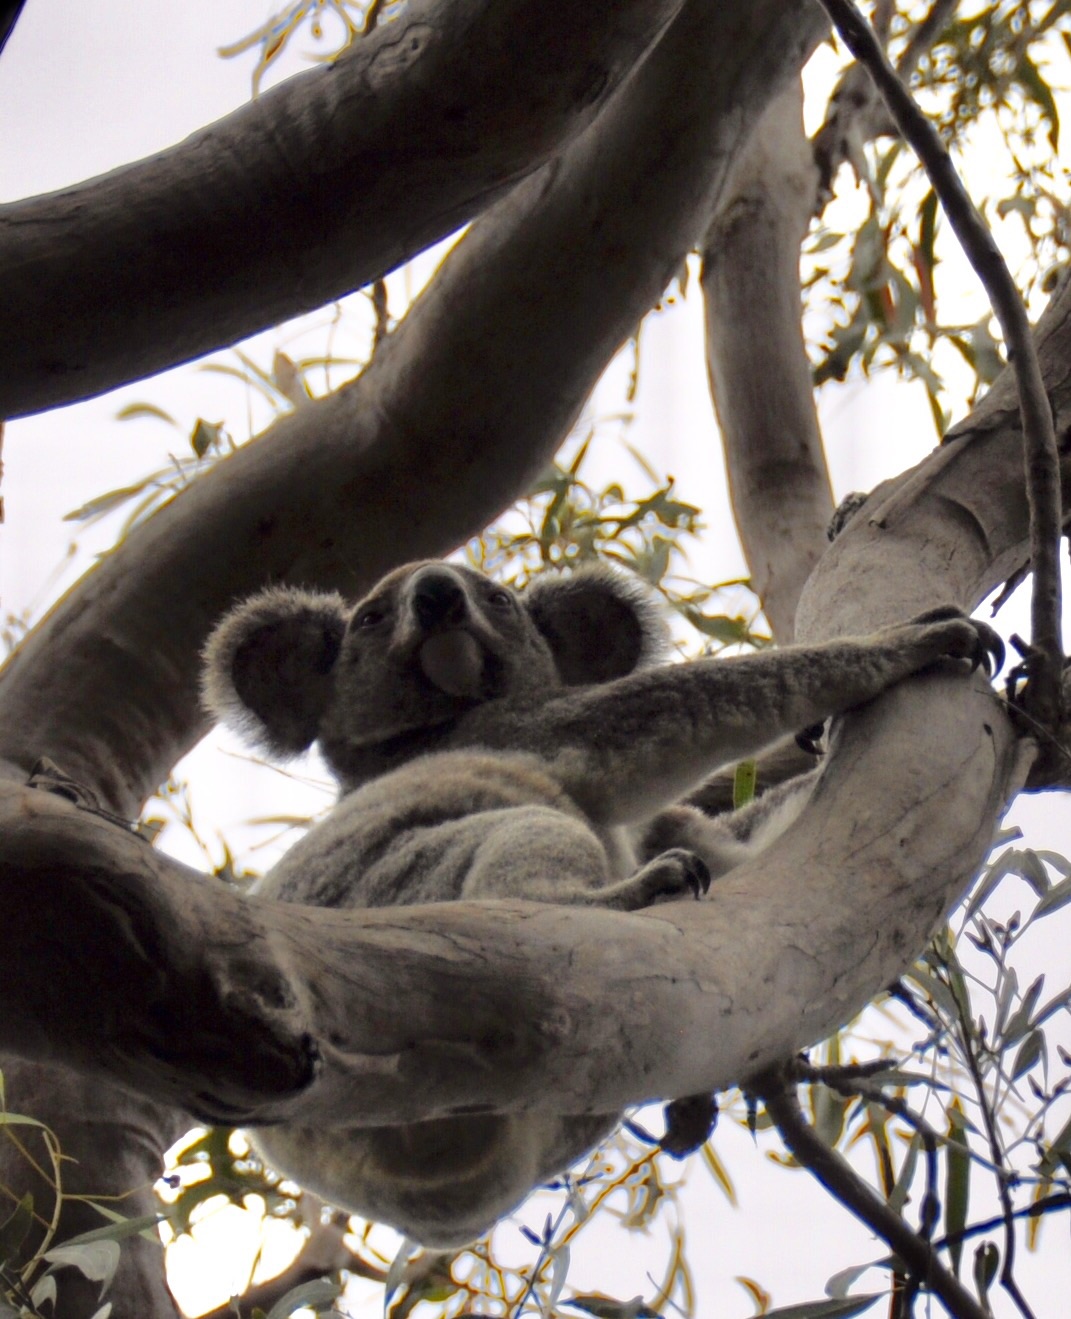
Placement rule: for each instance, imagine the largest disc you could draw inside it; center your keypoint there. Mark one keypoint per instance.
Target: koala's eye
(499, 599)
(369, 618)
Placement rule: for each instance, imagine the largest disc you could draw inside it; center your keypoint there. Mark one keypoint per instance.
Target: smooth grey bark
(760, 378)
(469, 397)
(307, 193)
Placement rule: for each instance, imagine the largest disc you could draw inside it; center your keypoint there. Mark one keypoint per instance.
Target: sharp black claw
(990, 653)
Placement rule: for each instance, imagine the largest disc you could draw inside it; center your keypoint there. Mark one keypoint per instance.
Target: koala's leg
(709, 837)
(545, 855)
(674, 874)
(728, 840)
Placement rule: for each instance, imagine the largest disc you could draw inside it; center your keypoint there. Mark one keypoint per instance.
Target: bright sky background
(84, 88)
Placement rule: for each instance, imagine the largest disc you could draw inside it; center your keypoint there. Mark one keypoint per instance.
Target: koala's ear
(268, 666)
(599, 624)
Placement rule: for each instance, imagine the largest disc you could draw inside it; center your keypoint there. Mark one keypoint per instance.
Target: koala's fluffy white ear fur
(599, 624)
(268, 666)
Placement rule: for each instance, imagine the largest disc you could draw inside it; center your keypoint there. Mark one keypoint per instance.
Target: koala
(497, 743)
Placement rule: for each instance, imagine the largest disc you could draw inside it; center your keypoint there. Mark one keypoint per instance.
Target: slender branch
(777, 1090)
(1038, 1209)
(1039, 436)
(1004, 1175)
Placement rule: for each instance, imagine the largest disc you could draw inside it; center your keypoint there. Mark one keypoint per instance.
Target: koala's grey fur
(489, 742)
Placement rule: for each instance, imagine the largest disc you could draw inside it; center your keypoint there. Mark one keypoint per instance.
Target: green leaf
(1020, 1020)
(105, 503)
(119, 1229)
(133, 410)
(605, 1307)
(719, 627)
(315, 1295)
(1004, 865)
(986, 1263)
(1061, 1142)
(14, 1230)
(744, 779)
(44, 1289)
(1058, 896)
(826, 1309)
(96, 1260)
(1033, 871)
(1031, 1049)
(899, 1194)
(957, 1181)
(205, 435)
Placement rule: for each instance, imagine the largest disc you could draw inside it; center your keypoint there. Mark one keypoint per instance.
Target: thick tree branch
(461, 408)
(1039, 436)
(249, 1010)
(309, 192)
(777, 1090)
(759, 374)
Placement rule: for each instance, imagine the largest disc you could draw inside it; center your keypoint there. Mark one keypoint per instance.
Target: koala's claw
(982, 646)
(669, 875)
(691, 872)
(992, 648)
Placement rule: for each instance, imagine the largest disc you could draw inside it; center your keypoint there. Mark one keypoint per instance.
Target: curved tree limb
(759, 374)
(465, 403)
(307, 193)
(248, 1011)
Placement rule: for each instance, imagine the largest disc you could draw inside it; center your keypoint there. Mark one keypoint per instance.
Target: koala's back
(452, 824)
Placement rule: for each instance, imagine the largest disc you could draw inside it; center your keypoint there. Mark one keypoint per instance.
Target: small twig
(852, 1083)
(1041, 458)
(1004, 1176)
(1038, 1209)
(371, 17)
(777, 1090)
(382, 315)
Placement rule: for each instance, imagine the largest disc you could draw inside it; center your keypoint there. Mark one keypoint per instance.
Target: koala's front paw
(966, 638)
(672, 874)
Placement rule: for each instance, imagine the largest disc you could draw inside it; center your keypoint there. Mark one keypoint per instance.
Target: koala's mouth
(454, 662)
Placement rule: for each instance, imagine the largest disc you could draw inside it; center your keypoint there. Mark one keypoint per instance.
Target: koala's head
(382, 681)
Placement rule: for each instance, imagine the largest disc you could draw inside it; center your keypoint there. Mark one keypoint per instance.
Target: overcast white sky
(86, 87)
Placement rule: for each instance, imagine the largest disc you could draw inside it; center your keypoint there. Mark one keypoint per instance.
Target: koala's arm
(624, 749)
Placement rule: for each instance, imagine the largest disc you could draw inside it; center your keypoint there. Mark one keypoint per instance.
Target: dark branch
(1039, 436)
(777, 1090)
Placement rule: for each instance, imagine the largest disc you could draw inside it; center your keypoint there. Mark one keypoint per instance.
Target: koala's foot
(670, 875)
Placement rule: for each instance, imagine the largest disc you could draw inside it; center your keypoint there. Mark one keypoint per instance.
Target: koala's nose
(438, 597)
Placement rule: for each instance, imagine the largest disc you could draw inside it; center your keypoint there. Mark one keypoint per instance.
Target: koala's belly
(416, 834)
